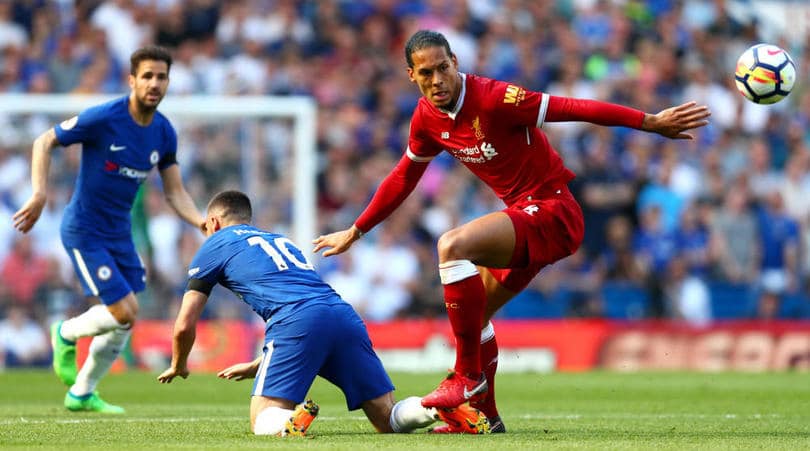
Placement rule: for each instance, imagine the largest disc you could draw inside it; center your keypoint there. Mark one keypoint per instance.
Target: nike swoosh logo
(476, 390)
(774, 52)
(114, 148)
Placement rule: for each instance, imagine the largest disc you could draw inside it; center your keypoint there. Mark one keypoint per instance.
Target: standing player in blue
(122, 141)
(309, 331)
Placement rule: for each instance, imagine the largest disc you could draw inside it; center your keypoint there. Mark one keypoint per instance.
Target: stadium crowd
(714, 228)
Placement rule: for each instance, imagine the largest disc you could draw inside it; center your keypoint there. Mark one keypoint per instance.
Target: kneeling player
(310, 331)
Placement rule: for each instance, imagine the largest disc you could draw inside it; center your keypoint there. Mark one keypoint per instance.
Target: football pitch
(549, 411)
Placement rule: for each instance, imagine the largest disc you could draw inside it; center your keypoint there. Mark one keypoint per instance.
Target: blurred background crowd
(710, 229)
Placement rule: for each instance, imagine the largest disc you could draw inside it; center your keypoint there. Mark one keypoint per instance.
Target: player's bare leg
(378, 411)
(486, 241)
(281, 417)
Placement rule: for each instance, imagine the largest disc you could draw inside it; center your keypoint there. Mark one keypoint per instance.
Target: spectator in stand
(659, 193)
(734, 239)
(779, 235)
(762, 177)
(603, 193)
(795, 189)
(618, 262)
(692, 237)
(23, 270)
(12, 34)
(686, 296)
(22, 340)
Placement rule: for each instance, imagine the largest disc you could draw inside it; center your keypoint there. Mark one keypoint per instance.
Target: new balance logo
(114, 148)
(445, 135)
(488, 150)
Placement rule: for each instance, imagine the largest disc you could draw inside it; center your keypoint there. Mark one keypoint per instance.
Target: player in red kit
(493, 128)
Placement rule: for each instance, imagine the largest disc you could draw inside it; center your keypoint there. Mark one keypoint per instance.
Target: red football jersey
(493, 130)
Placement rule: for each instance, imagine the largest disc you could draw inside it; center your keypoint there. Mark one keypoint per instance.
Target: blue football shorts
(108, 269)
(327, 340)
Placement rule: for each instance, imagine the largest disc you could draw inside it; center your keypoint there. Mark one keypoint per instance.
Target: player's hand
(25, 218)
(337, 242)
(673, 122)
(167, 376)
(240, 371)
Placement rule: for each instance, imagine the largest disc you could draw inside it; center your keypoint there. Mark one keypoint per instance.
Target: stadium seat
(732, 301)
(625, 300)
(534, 304)
(794, 306)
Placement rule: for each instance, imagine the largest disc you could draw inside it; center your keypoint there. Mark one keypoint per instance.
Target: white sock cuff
(271, 420)
(96, 320)
(487, 333)
(392, 419)
(408, 414)
(456, 270)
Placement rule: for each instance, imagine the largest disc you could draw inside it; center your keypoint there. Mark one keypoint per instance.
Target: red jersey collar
(460, 103)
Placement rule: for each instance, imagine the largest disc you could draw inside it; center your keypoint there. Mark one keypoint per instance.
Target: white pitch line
(529, 416)
(651, 416)
(23, 420)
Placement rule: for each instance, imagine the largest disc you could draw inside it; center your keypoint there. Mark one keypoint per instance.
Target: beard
(146, 106)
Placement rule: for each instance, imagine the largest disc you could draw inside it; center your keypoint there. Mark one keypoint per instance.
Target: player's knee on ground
(271, 420)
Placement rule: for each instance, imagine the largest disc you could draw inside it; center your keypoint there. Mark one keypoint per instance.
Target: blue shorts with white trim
(108, 269)
(327, 340)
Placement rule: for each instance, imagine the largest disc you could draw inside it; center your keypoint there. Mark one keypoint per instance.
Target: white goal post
(299, 108)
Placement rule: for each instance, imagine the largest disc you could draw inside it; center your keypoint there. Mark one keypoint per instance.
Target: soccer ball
(765, 74)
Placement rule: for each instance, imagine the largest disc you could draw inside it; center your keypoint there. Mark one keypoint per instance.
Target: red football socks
(489, 365)
(465, 299)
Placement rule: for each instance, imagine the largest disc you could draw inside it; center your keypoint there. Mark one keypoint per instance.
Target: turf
(550, 411)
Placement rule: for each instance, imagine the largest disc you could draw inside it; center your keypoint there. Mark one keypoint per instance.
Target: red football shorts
(547, 229)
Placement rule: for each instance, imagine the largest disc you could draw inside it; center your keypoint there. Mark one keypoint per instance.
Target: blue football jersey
(117, 155)
(266, 270)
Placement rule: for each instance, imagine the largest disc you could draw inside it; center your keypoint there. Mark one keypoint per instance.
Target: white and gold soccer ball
(765, 74)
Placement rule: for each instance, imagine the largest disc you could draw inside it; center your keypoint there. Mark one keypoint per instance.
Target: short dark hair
(234, 204)
(423, 39)
(150, 52)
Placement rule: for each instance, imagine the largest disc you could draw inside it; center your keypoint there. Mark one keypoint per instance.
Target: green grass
(555, 411)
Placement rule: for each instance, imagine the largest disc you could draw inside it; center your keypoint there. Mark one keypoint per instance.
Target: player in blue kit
(310, 331)
(122, 141)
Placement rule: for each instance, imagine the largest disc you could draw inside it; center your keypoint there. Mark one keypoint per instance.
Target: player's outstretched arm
(179, 199)
(25, 218)
(185, 332)
(675, 121)
(240, 371)
(337, 242)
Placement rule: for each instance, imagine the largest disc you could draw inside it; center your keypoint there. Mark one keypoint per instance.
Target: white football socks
(104, 349)
(271, 420)
(408, 414)
(96, 320)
